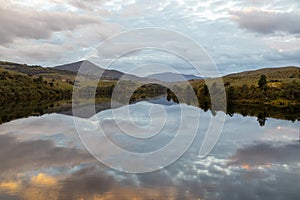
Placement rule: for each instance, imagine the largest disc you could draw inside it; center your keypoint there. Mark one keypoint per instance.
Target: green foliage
(17, 87)
(291, 91)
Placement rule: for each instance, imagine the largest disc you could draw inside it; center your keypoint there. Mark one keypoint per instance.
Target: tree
(262, 82)
(231, 94)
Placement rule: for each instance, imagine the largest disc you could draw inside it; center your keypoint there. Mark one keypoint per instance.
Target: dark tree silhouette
(262, 82)
(261, 118)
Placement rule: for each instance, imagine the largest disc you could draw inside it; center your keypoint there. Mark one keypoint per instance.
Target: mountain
(90, 69)
(173, 77)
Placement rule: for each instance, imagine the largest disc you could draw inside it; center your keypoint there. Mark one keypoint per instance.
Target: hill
(35, 70)
(281, 74)
(16, 86)
(282, 87)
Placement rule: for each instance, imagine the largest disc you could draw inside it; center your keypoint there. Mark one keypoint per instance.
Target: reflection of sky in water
(42, 158)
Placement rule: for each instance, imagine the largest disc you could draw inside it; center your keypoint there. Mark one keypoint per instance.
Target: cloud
(88, 5)
(39, 153)
(267, 22)
(37, 24)
(87, 181)
(63, 31)
(52, 29)
(264, 154)
(131, 11)
(43, 179)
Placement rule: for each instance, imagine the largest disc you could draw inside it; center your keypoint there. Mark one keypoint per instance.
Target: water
(43, 158)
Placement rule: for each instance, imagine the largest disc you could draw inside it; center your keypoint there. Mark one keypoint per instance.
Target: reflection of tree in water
(172, 96)
(16, 110)
(287, 113)
(261, 118)
(205, 106)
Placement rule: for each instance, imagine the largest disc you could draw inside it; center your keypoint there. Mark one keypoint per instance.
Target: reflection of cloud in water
(238, 130)
(264, 154)
(33, 154)
(189, 178)
(49, 126)
(32, 148)
(86, 182)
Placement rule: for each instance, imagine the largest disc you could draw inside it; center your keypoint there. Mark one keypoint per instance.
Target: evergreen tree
(262, 83)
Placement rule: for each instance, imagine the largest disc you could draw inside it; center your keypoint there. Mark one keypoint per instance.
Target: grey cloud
(257, 186)
(262, 154)
(40, 153)
(39, 25)
(159, 178)
(86, 181)
(72, 46)
(186, 182)
(267, 22)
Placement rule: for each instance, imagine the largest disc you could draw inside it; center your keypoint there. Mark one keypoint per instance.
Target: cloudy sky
(238, 35)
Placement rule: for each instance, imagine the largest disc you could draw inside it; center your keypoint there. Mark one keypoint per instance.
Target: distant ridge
(173, 77)
(67, 71)
(90, 68)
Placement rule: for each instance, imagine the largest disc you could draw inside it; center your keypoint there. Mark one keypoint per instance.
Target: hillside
(281, 74)
(16, 86)
(282, 87)
(36, 70)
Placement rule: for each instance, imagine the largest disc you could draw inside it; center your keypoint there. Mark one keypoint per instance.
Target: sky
(238, 35)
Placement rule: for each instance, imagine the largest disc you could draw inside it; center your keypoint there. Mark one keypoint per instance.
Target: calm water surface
(42, 158)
